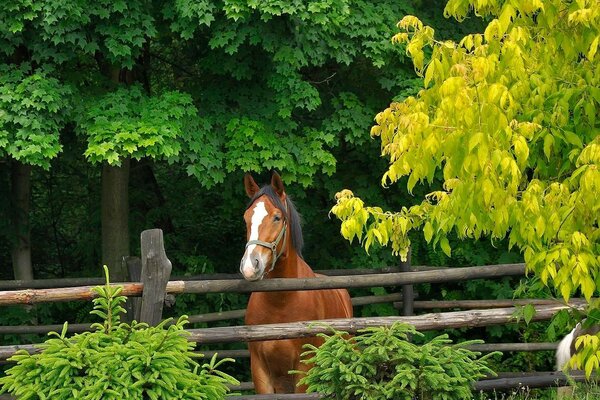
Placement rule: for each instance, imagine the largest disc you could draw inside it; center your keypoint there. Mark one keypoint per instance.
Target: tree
(259, 74)
(34, 108)
(508, 120)
(109, 42)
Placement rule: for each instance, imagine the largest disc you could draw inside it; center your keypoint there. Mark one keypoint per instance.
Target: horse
(274, 250)
(566, 349)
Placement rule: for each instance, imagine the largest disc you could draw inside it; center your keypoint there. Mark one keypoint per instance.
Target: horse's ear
(250, 186)
(277, 184)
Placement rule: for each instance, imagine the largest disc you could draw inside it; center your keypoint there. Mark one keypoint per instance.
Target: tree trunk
(20, 198)
(115, 218)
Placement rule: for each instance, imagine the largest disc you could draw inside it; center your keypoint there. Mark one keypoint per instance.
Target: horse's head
(266, 227)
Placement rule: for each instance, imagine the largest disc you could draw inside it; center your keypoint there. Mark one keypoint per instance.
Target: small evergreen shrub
(381, 363)
(116, 361)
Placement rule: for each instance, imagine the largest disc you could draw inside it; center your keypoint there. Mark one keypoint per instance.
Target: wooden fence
(154, 287)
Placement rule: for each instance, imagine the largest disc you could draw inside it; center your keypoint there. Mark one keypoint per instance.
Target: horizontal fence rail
(94, 281)
(356, 301)
(356, 281)
(501, 381)
(32, 296)
(483, 347)
(524, 380)
(433, 321)
(7, 351)
(208, 317)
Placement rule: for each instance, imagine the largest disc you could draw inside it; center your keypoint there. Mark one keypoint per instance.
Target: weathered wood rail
(356, 301)
(434, 321)
(33, 296)
(501, 382)
(7, 351)
(94, 281)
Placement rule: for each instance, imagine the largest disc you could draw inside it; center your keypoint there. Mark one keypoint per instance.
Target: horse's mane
(292, 215)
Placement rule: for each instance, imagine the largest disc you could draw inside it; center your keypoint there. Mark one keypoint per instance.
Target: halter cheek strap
(272, 246)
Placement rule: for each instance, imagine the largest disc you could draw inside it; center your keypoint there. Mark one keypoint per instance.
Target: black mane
(291, 214)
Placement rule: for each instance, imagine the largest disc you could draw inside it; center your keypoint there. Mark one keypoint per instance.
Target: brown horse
(274, 251)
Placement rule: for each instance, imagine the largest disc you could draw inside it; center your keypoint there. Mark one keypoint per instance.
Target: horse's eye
(277, 218)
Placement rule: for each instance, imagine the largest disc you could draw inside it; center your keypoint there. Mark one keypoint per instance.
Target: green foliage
(382, 363)
(128, 123)
(272, 74)
(116, 361)
(513, 130)
(33, 110)
(57, 30)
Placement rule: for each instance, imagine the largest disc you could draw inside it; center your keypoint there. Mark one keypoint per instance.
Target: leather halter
(272, 246)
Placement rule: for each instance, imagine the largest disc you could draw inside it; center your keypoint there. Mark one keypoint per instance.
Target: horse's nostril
(256, 263)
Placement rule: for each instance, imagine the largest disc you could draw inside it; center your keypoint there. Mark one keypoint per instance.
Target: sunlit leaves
(253, 146)
(510, 119)
(33, 109)
(128, 123)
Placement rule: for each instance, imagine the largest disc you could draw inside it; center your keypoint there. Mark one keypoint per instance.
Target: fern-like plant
(381, 363)
(116, 361)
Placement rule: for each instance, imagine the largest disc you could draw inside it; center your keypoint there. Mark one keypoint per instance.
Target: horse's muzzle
(252, 267)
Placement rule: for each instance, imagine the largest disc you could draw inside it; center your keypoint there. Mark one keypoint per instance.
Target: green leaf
(528, 313)
(445, 246)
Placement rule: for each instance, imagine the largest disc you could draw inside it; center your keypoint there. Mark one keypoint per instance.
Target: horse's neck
(291, 266)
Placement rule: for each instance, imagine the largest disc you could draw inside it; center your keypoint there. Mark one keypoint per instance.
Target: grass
(588, 391)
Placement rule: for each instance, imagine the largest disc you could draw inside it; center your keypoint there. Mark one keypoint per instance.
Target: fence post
(408, 294)
(133, 265)
(156, 270)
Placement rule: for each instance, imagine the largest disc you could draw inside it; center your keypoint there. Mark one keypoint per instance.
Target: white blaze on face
(258, 215)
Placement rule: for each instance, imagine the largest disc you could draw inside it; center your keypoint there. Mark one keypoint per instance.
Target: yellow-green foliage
(509, 118)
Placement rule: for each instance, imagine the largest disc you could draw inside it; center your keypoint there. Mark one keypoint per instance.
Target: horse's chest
(266, 310)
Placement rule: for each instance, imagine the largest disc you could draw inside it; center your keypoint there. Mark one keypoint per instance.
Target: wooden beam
(336, 282)
(484, 348)
(484, 304)
(456, 319)
(502, 381)
(33, 296)
(208, 317)
(408, 301)
(539, 380)
(93, 281)
(7, 351)
(156, 270)
(42, 329)
(489, 347)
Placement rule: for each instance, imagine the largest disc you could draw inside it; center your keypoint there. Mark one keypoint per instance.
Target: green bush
(116, 361)
(381, 363)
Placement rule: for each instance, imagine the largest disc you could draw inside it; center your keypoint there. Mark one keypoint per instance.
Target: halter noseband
(272, 246)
